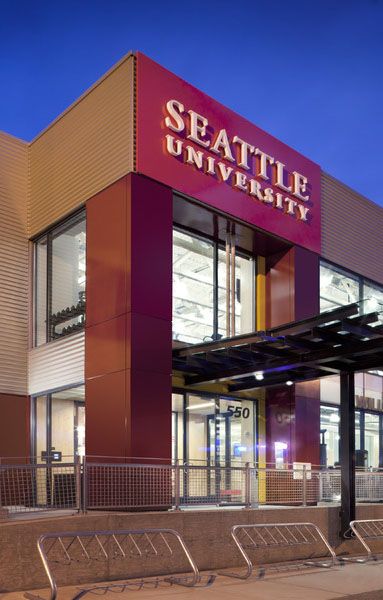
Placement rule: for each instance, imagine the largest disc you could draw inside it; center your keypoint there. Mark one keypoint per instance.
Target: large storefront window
(368, 434)
(337, 288)
(58, 426)
(213, 430)
(193, 280)
(368, 418)
(59, 281)
(244, 294)
(329, 426)
(358, 435)
(373, 301)
(200, 290)
(371, 438)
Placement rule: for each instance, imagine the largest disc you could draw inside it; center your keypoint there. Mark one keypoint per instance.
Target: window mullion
(49, 287)
(215, 291)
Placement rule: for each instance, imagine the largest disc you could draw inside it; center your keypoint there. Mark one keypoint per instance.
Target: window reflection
(371, 439)
(337, 288)
(329, 425)
(368, 417)
(59, 281)
(373, 302)
(196, 306)
(192, 288)
(68, 279)
(244, 294)
(219, 431)
(40, 296)
(68, 422)
(59, 425)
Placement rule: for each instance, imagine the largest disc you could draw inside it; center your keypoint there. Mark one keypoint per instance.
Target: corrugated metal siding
(57, 364)
(13, 265)
(86, 149)
(352, 229)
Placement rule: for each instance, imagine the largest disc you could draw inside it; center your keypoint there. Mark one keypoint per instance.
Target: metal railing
(142, 551)
(111, 484)
(38, 487)
(261, 539)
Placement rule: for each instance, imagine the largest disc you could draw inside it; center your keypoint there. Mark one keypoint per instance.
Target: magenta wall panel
(215, 175)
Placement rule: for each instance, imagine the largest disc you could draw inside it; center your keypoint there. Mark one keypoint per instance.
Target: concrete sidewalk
(351, 582)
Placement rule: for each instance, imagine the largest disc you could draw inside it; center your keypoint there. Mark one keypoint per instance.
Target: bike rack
(69, 548)
(278, 535)
(362, 530)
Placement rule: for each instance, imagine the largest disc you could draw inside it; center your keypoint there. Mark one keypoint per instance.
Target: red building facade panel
(192, 143)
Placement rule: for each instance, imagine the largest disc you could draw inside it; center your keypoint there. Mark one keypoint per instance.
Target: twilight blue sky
(308, 71)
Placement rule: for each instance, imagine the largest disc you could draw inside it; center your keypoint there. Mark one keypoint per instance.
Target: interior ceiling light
(258, 375)
(289, 382)
(202, 405)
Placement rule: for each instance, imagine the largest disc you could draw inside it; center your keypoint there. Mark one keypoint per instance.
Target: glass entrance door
(220, 433)
(59, 439)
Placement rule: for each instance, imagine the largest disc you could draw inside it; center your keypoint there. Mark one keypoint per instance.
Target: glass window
(200, 429)
(68, 422)
(68, 279)
(244, 278)
(177, 427)
(193, 267)
(373, 297)
(59, 281)
(329, 425)
(337, 288)
(40, 427)
(236, 431)
(220, 430)
(59, 426)
(358, 445)
(371, 439)
(200, 291)
(41, 254)
(330, 389)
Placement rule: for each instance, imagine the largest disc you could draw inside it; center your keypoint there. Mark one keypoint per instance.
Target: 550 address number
(238, 411)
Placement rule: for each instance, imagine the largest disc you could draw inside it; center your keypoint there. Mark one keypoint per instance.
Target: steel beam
(347, 449)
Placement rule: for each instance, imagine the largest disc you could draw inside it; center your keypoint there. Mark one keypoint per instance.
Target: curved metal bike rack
(68, 548)
(277, 535)
(363, 530)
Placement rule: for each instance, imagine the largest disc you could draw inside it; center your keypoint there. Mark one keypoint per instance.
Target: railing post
(77, 467)
(320, 486)
(177, 486)
(304, 486)
(84, 485)
(247, 486)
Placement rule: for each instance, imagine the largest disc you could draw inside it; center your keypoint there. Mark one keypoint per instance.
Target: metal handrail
(93, 485)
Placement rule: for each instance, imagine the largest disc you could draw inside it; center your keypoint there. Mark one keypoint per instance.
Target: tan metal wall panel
(86, 149)
(57, 364)
(352, 229)
(13, 265)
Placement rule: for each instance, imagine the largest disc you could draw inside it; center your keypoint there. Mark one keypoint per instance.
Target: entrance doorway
(216, 432)
(58, 436)
(58, 426)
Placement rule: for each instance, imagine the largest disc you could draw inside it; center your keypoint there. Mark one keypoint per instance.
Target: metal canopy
(340, 341)
(334, 342)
